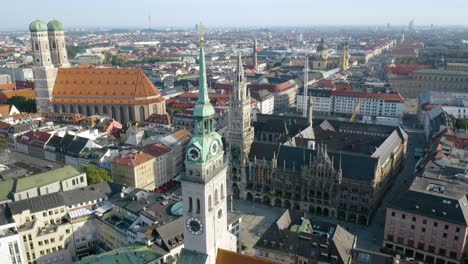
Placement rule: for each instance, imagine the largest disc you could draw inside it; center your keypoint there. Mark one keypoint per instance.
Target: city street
(257, 217)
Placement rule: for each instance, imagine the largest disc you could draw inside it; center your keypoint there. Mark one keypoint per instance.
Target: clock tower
(204, 183)
(240, 133)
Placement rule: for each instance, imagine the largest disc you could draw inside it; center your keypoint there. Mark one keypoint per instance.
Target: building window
(414, 219)
(209, 202)
(453, 254)
(198, 206)
(442, 252)
(403, 216)
(435, 224)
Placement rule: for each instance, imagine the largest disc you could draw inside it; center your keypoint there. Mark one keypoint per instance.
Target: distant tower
(43, 69)
(411, 25)
(58, 47)
(344, 59)
(306, 83)
(255, 66)
(402, 38)
(322, 49)
(241, 133)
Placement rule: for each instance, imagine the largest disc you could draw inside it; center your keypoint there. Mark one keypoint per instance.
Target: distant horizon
(141, 14)
(245, 27)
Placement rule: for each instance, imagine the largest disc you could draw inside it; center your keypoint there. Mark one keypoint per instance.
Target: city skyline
(241, 13)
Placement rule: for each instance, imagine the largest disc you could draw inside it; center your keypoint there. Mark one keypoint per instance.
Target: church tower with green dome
(43, 67)
(204, 182)
(58, 47)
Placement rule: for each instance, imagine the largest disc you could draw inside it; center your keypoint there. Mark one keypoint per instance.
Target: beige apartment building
(134, 170)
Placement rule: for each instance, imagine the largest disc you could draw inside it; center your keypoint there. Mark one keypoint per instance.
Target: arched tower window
(36, 46)
(222, 191)
(216, 196)
(88, 111)
(142, 114)
(209, 202)
(96, 110)
(56, 108)
(198, 206)
(131, 115)
(72, 109)
(80, 110)
(113, 113)
(122, 114)
(190, 204)
(63, 109)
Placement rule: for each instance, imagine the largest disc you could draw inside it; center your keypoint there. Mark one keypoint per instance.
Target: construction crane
(356, 110)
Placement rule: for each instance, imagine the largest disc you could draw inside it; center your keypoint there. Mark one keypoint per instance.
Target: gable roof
(104, 86)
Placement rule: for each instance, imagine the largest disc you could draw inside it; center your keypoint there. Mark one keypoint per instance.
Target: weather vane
(201, 31)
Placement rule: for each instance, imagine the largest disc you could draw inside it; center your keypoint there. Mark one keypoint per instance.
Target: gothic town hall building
(329, 168)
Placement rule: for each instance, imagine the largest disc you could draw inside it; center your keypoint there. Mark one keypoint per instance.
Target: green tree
(462, 123)
(95, 175)
(23, 104)
(73, 50)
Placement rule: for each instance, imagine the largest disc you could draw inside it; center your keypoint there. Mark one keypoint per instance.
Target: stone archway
(258, 198)
(325, 212)
(311, 209)
(235, 191)
(287, 204)
(318, 210)
(352, 217)
(266, 200)
(249, 196)
(278, 202)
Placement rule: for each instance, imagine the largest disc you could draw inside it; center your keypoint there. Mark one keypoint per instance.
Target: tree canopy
(95, 175)
(23, 104)
(462, 123)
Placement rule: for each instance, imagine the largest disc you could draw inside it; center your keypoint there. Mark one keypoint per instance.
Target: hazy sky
(134, 13)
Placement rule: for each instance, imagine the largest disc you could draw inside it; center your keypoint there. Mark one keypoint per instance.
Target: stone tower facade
(58, 47)
(204, 183)
(241, 133)
(344, 58)
(43, 68)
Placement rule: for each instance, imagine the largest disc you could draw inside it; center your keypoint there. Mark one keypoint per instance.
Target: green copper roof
(203, 106)
(55, 25)
(37, 26)
(135, 254)
(45, 178)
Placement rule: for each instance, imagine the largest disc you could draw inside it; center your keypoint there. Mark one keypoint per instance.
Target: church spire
(203, 108)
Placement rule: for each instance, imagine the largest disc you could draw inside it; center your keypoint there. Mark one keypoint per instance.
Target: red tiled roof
(270, 87)
(104, 86)
(404, 52)
(156, 150)
(159, 119)
(388, 97)
(406, 69)
(133, 160)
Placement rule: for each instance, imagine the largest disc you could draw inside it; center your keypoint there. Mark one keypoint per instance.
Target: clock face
(214, 147)
(194, 154)
(195, 226)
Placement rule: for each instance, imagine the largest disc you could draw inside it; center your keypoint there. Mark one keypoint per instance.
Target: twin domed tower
(49, 53)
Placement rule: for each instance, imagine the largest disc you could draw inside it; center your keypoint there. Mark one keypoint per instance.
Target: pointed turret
(340, 171)
(239, 88)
